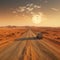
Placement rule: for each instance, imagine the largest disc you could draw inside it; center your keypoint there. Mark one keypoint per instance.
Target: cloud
(28, 8)
(54, 9)
(37, 6)
(30, 5)
(21, 8)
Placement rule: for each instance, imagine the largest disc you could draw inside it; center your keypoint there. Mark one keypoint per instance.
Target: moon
(36, 19)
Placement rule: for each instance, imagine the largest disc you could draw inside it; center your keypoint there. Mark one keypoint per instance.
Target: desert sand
(47, 48)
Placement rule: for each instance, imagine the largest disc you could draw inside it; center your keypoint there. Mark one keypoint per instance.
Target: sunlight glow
(36, 19)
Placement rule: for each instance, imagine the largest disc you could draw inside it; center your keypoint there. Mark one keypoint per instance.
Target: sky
(20, 12)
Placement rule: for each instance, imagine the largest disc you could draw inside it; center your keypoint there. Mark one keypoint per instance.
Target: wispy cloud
(21, 8)
(55, 9)
(37, 6)
(30, 8)
(29, 5)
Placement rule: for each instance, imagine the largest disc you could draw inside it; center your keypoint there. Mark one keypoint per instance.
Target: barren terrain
(12, 48)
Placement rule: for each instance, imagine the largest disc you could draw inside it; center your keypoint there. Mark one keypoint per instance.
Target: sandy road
(30, 49)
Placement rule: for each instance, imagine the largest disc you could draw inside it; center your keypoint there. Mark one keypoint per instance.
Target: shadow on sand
(29, 38)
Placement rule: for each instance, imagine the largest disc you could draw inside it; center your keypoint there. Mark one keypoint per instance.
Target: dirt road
(42, 49)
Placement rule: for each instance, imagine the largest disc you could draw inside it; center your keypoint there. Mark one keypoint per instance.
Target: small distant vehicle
(39, 35)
